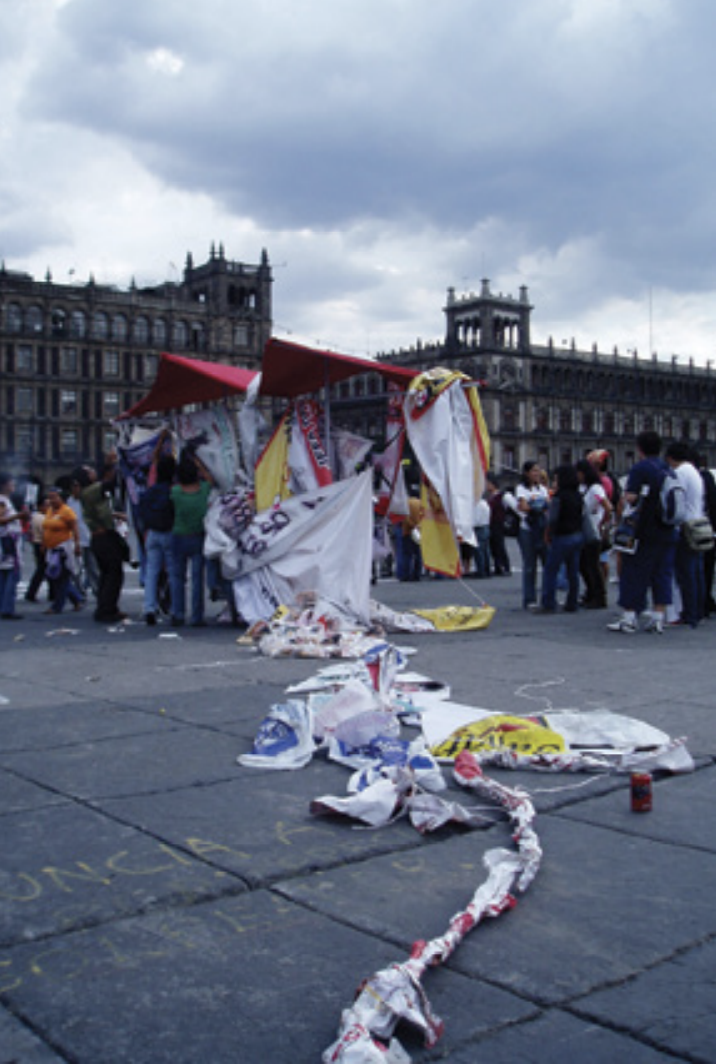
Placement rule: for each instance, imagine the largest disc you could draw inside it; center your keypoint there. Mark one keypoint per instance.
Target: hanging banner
(392, 493)
(437, 542)
(449, 437)
(320, 541)
(308, 462)
(271, 474)
(211, 436)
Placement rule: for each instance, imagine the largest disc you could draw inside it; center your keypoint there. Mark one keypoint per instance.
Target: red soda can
(641, 792)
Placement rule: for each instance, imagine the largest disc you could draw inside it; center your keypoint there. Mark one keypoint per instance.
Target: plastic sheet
(284, 739)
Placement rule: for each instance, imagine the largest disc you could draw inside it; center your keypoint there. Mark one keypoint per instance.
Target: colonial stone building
(550, 402)
(73, 356)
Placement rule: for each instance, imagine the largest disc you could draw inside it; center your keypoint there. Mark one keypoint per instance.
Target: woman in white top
(532, 503)
(599, 509)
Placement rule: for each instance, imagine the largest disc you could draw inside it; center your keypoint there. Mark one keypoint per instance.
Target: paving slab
(246, 980)
(18, 1045)
(258, 825)
(582, 924)
(671, 1005)
(171, 757)
(68, 866)
(70, 723)
(19, 794)
(680, 815)
(559, 1038)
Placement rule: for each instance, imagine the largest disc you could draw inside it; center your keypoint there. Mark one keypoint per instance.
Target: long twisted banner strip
(396, 993)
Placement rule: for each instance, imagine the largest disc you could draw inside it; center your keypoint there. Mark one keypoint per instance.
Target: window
(100, 326)
(68, 361)
(78, 324)
(241, 335)
(68, 443)
(109, 441)
(59, 322)
(68, 401)
(565, 421)
(160, 332)
(23, 359)
(110, 364)
(150, 366)
(23, 439)
(33, 319)
(24, 400)
(141, 331)
(110, 404)
(13, 318)
(119, 327)
(180, 334)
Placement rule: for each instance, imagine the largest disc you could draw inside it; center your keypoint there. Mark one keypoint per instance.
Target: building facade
(548, 402)
(74, 356)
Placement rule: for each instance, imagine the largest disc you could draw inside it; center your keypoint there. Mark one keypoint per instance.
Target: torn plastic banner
(284, 739)
(396, 993)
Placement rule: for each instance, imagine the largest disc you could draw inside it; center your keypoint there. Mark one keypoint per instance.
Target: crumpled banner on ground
(396, 993)
(560, 740)
(284, 739)
(458, 618)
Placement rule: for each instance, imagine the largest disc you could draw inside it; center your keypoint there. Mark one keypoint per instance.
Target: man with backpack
(655, 498)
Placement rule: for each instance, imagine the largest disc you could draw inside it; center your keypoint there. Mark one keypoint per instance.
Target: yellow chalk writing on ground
(524, 735)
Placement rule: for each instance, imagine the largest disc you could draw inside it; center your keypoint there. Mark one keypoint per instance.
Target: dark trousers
(110, 551)
(595, 590)
(38, 576)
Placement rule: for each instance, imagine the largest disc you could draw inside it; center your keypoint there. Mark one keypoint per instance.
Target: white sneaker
(622, 625)
(655, 626)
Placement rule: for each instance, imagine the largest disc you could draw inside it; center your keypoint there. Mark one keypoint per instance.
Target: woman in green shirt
(191, 499)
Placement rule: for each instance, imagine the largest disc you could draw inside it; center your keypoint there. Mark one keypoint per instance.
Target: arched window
(141, 330)
(100, 325)
(33, 319)
(78, 324)
(159, 332)
(13, 317)
(119, 327)
(181, 334)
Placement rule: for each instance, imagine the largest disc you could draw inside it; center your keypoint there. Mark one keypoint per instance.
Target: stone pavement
(161, 904)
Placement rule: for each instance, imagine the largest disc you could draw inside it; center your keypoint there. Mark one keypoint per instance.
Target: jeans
(9, 579)
(63, 588)
(482, 551)
(563, 550)
(532, 548)
(188, 550)
(159, 553)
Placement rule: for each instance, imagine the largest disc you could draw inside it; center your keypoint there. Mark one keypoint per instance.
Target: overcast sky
(381, 151)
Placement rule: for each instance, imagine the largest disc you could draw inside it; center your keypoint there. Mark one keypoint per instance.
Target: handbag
(698, 534)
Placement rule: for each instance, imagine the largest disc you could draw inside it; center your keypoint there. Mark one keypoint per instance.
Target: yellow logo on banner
(524, 735)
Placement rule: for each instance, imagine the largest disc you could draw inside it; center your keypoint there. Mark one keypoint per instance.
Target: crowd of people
(581, 521)
(571, 528)
(78, 534)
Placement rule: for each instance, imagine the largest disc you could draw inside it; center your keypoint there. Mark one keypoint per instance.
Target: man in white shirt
(689, 567)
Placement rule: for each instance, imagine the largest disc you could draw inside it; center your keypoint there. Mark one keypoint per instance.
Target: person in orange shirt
(61, 543)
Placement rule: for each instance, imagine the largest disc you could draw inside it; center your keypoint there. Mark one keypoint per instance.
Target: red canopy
(289, 370)
(181, 381)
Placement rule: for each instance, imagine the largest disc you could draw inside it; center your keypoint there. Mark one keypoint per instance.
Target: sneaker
(151, 619)
(655, 626)
(622, 625)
